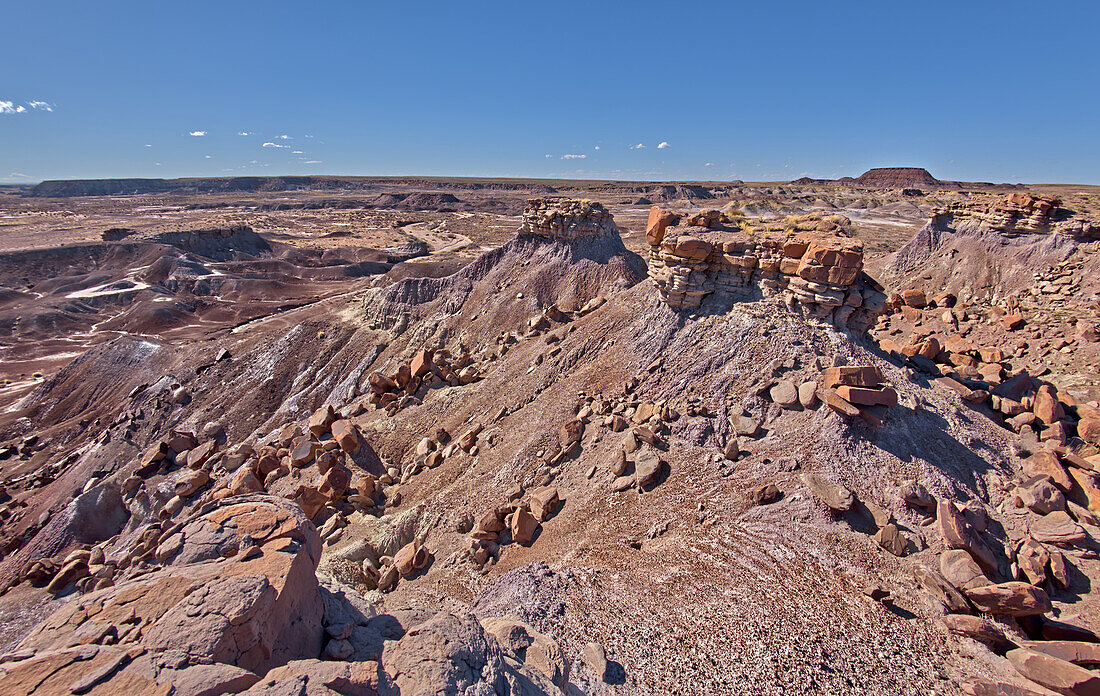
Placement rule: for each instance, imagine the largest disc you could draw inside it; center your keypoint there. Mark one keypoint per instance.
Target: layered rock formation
(809, 261)
(1018, 214)
(567, 219)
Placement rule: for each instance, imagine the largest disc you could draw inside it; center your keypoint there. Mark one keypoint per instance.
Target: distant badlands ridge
(885, 177)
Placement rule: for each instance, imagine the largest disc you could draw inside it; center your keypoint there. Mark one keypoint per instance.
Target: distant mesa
(912, 178)
(898, 177)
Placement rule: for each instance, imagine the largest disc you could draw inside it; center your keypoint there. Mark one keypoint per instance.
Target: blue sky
(972, 90)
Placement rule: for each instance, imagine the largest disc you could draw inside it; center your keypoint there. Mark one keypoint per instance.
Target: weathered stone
(807, 394)
(941, 590)
(523, 526)
(412, 557)
(977, 628)
(544, 502)
(1046, 463)
(321, 420)
(647, 466)
(1056, 528)
(1010, 599)
(958, 568)
(863, 396)
(346, 435)
(1057, 675)
(766, 494)
(960, 534)
(1041, 495)
(594, 658)
(892, 539)
(833, 377)
(785, 393)
(1047, 408)
(836, 497)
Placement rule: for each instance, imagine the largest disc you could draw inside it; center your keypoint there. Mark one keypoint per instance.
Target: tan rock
(942, 591)
(958, 568)
(960, 534)
(785, 393)
(1056, 675)
(594, 658)
(1047, 408)
(833, 377)
(1010, 599)
(807, 394)
(523, 526)
(346, 435)
(1046, 463)
(892, 539)
(321, 420)
(836, 497)
(647, 466)
(544, 502)
(1056, 528)
(411, 558)
(980, 629)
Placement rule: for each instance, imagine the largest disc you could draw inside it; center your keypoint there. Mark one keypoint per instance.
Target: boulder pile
(809, 261)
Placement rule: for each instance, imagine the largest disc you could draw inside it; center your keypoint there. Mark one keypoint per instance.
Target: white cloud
(17, 175)
(284, 137)
(664, 145)
(314, 162)
(309, 136)
(244, 133)
(10, 107)
(597, 147)
(709, 164)
(297, 152)
(197, 134)
(148, 145)
(574, 156)
(274, 145)
(549, 156)
(639, 146)
(206, 156)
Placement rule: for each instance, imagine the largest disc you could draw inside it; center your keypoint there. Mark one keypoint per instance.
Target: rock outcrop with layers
(811, 262)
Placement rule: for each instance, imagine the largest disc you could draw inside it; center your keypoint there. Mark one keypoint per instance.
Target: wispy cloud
(15, 176)
(297, 152)
(284, 137)
(709, 164)
(639, 146)
(11, 107)
(148, 145)
(596, 148)
(274, 145)
(314, 162)
(549, 156)
(206, 156)
(664, 145)
(244, 133)
(197, 134)
(574, 156)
